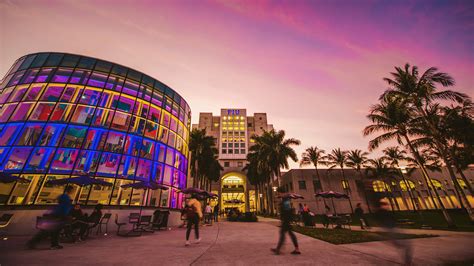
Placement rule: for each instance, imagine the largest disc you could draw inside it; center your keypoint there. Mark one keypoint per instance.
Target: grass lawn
(346, 236)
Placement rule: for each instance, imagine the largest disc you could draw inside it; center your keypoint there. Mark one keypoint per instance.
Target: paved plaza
(234, 244)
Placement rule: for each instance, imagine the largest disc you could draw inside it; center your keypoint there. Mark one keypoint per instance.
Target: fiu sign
(233, 112)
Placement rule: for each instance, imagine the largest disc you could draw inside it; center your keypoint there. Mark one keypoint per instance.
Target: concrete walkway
(231, 244)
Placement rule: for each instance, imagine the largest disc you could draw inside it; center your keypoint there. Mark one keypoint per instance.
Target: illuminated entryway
(233, 192)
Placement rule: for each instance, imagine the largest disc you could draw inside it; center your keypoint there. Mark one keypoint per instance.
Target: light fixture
(261, 195)
(275, 189)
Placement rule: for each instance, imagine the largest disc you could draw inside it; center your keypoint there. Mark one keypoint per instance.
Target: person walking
(327, 213)
(55, 221)
(193, 213)
(286, 213)
(216, 212)
(208, 214)
(359, 214)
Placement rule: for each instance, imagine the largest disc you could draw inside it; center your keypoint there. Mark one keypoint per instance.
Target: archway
(233, 193)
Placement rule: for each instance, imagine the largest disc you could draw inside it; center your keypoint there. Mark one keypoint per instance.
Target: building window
(317, 185)
(345, 184)
(226, 164)
(224, 151)
(302, 185)
(242, 151)
(291, 186)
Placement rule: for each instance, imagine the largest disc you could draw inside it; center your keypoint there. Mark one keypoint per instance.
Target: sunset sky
(314, 67)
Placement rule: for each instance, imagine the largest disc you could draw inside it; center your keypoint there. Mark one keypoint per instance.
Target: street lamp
(274, 189)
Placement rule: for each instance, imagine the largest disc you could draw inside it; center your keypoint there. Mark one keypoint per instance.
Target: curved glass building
(63, 115)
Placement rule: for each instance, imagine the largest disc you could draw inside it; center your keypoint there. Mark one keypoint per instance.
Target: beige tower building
(232, 131)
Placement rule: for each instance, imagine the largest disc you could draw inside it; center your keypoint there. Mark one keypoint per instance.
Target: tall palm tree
(394, 155)
(394, 117)
(357, 159)
(203, 155)
(421, 93)
(273, 152)
(314, 156)
(338, 158)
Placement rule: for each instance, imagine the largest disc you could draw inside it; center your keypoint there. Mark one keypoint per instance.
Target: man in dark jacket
(286, 216)
(57, 217)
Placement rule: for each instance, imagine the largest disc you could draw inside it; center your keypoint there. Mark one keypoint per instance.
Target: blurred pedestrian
(359, 214)
(216, 212)
(54, 221)
(286, 216)
(386, 220)
(193, 214)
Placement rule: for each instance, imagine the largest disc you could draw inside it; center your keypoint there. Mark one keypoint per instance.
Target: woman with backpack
(193, 214)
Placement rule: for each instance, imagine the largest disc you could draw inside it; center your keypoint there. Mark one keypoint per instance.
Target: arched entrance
(233, 192)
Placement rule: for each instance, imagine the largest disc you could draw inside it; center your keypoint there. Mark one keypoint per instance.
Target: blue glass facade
(62, 115)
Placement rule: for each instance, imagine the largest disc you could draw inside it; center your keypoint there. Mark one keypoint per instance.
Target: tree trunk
(468, 184)
(430, 182)
(410, 193)
(463, 197)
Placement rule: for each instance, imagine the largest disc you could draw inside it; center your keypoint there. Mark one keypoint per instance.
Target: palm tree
(203, 156)
(314, 156)
(356, 159)
(395, 117)
(421, 93)
(273, 152)
(338, 158)
(378, 169)
(394, 155)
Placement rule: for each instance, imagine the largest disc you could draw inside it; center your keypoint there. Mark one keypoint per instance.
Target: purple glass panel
(155, 114)
(157, 173)
(18, 93)
(147, 149)
(97, 80)
(108, 164)
(16, 78)
(174, 199)
(68, 94)
(181, 115)
(30, 76)
(157, 99)
(52, 93)
(130, 88)
(40, 159)
(114, 83)
(127, 167)
(173, 124)
(5, 111)
(168, 104)
(5, 93)
(170, 156)
(8, 134)
(64, 160)
(17, 158)
(22, 111)
(51, 135)
(62, 75)
(90, 97)
(79, 77)
(87, 162)
(167, 175)
(143, 170)
(44, 75)
(33, 93)
(175, 110)
(114, 142)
